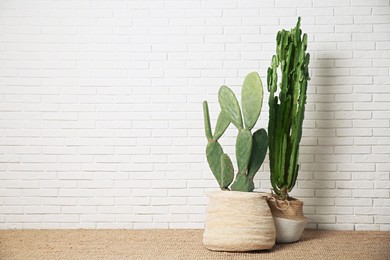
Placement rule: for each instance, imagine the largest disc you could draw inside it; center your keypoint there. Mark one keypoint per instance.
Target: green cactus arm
(276, 189)
(296, 135)
(294, 178)
(227, 172)
(273, 155)
(259, 150)
(272, 81)
(243, 150)
(282, 163)
(229, 105)
(306, 67)
(294, 166)
(297, 30)
(278, 148)
(222, 124)
(272, 76)
(206, 118)
(243, 183)
(213, 155)
(251, 99)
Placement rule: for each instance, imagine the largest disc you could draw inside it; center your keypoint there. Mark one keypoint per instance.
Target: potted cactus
(238, 219)
(286, 114)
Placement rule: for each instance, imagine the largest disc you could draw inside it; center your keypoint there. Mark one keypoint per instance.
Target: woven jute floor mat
(182, 244)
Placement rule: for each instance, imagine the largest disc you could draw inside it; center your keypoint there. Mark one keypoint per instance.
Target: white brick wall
(101, 120)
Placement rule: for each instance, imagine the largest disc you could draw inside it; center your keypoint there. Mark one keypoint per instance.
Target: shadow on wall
(317, 180)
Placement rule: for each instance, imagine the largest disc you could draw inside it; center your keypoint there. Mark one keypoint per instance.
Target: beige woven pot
(238, 221)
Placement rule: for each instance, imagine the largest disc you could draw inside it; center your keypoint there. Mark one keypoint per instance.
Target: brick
(369, 159)
(380, 114)
(381, 28)
(332, 158)
(353, 10)
(313, 11)
(367, 227)
(42, 209)
(334, 123)
(352, 114)
(355, 184)
(332, 176)
(280, 3)
(319, 201)
(315, 150)
(353, 202)
(373, 123)
(354, 132)
(61, 218)
(334, 107)
(76, 193)
(355, 219)
(318, 167)
(168, 201)
(382, 184)
(352, 149)
(370, 194)
(302, 193)
(12, 210)
(340, 193)
(372, 211)
(333, 3)
(24, 219)
(334, 90)
(317, 184)
(326, 210)
(356, 97)
(42, 193)
(363, 175)
(322, 219)
(366, 54)
(370, 3)
(385, 227)
(365, 106)
(354, 28)
(334, 54)
(378, 36)
(382, 220)
(336, 141)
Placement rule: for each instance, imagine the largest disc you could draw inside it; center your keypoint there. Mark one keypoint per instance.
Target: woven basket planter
(288, 218)
(238, 221)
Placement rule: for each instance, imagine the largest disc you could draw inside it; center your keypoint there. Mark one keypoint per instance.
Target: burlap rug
(182, 244)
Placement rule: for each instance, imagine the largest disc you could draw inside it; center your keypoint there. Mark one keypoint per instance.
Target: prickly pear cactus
(286, 111)
(214, 150)
(250, 149)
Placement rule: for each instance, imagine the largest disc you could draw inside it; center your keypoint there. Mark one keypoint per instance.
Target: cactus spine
(250, 150)
(286, 112)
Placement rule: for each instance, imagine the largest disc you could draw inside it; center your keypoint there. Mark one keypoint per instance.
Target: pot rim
(290, 200)
(234, 194)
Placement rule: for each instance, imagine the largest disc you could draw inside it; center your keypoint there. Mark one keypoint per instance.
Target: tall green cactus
(286, 112)
(250, 150)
